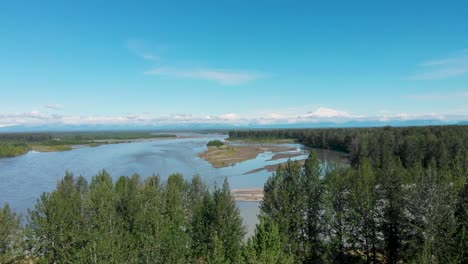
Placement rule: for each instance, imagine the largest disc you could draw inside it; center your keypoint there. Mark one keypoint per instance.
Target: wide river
(23, 179)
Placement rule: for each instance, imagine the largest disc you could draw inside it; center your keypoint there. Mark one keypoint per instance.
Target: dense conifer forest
(404, 199)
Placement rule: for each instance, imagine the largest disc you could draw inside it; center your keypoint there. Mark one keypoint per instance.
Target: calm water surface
(23, 179)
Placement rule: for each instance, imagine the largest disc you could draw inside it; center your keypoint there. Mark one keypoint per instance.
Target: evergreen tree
(217, 254)
(460, 247)
(266, 245)
(313, 208)
(104, 224)
(227, 223)
(201, 220)
(10, 234)
(363, 214)
(294, 200)
(338, 201)
(392, 206)
(128, 210)
(58, 223)
(283, 203)
(149, 222)
(175, 240)
(431, 208)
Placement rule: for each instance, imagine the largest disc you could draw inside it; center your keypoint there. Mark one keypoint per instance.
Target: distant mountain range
(201, 126)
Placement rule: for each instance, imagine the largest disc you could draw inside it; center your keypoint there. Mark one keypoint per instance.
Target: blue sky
(156, 62)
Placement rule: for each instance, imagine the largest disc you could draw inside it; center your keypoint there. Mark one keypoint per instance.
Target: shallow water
(23, 179)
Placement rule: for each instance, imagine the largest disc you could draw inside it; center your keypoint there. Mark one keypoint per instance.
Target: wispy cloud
(53, 106)
(150, 56)
(225, 77)
(439, 96)
(174, 70)
(453, 66)
(139, 48)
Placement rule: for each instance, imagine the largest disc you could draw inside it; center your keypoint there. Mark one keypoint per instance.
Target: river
(23, 179)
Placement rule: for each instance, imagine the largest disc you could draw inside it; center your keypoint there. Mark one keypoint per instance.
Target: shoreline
(273, 167)
(94, 143)
(279, 156)
(229, 155)
(247, 195)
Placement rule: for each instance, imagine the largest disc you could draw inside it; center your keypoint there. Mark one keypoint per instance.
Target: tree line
(15, 144)
(412, 145)
(127, 221)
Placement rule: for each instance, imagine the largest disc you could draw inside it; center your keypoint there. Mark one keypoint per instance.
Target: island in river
(228, 154)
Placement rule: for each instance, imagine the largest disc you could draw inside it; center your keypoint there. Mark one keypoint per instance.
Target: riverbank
(229, 155)
(13, 145)
(247, 194)
(273, 167)
(264, 140)
(286, 156)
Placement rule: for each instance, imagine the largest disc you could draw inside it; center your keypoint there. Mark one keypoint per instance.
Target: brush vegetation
(215, 143)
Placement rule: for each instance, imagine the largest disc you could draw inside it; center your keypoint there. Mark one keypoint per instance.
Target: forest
(404, 199)
(411, 145)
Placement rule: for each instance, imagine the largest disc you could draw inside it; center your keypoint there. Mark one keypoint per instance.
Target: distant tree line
(411, 145)
(15, 144)
(25, 137)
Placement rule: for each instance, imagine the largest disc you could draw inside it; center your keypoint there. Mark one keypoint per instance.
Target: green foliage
(227, 223)
(460, 245)
(294, 201)
(266, 245)
(10, 235)
(337, 202)
(364, 214)
(403, 200)
(135, 221)
(12, 149)
(215, 143)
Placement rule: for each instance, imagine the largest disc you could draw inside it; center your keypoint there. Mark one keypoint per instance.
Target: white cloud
(327, 112)
(225, 77)
(453, 66)
(322, 114)
(407, 117)
(230, 116)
